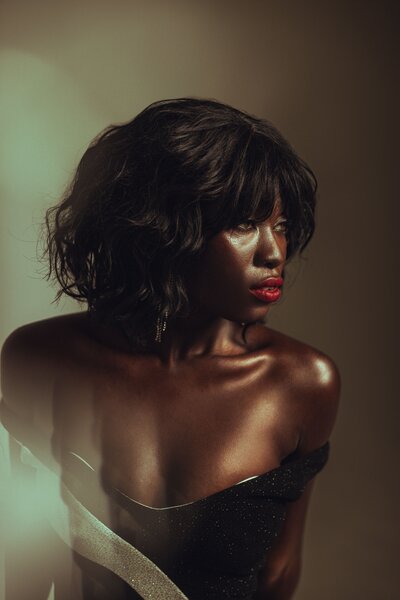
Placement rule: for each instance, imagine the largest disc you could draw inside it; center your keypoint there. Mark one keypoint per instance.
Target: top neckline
(321, 449)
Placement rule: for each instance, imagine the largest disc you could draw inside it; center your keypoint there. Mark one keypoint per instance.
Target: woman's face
(235, 262)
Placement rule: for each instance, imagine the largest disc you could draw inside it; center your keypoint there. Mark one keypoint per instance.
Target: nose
(271, 249)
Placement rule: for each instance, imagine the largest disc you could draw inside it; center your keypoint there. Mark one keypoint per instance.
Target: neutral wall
(325, 74)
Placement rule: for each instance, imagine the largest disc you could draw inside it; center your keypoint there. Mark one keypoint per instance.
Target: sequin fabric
(213, 548)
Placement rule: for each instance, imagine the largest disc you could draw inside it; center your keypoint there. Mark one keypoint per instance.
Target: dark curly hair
(148, 194)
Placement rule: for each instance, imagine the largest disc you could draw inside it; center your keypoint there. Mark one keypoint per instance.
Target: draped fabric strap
(95, 541)
(81, 530)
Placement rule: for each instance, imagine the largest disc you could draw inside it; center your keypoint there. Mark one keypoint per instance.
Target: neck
(198, 335)
(184, 338)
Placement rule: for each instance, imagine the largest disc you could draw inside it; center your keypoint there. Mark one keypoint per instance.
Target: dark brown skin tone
(199, 412)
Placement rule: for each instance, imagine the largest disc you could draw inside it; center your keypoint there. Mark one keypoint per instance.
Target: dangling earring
(161, 324)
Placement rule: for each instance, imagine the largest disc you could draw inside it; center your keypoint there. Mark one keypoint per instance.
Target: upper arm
(318, 385)
(320, 393)
(31, 545)
(17, 385)
(281, 571)
(22, 369)
(26, 398)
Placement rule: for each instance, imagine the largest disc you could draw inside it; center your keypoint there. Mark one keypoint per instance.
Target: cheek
(221, 275)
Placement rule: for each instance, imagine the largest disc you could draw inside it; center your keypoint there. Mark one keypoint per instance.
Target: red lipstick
(268, 290)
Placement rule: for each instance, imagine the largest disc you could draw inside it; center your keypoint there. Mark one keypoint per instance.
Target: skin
(238, 405)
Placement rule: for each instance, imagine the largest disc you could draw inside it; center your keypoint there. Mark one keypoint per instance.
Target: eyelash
(254, 224)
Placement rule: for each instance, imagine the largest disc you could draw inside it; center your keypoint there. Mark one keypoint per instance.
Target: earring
(161, 324)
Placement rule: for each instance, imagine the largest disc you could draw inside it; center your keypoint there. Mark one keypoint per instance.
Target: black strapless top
(211, 548)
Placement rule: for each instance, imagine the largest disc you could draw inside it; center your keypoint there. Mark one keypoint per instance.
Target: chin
(252, 319)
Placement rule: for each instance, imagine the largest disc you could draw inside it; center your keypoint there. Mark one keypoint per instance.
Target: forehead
(277, 209)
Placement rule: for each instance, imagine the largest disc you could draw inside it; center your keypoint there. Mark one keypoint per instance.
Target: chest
(169, 438)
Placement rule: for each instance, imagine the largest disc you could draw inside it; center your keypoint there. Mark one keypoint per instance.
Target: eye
(282, 226)
(246, 226)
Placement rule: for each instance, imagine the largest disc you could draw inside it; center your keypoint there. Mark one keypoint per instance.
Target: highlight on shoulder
(312, 379)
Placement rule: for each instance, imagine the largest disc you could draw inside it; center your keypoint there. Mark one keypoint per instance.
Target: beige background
(325, 74)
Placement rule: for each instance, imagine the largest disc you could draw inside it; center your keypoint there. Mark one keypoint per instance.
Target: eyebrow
(278, 213)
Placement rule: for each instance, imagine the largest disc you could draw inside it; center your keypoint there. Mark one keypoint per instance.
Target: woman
(186, 432)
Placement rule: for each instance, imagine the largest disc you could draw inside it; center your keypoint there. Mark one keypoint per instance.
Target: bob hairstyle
(148, 195)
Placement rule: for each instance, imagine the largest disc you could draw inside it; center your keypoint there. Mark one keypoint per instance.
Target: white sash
(90, 537)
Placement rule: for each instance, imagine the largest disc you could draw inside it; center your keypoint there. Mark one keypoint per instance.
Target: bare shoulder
(310, 367)
(32, 352)
(44, 330)
(32, 358)
(312, 379)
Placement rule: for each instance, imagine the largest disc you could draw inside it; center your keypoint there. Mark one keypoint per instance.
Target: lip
(270, 282)
(268, 295)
